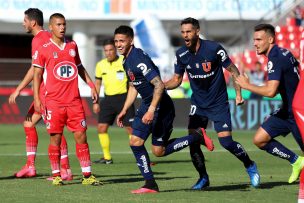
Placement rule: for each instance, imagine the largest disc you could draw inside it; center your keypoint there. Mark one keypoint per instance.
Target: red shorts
(58, 116)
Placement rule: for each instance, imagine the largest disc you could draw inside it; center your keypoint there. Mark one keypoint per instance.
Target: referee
(109, 72)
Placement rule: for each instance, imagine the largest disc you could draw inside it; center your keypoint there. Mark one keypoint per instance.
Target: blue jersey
(205, 73)
(140, 71)
(282, 66)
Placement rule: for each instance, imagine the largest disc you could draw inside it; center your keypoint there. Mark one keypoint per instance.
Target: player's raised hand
(13, 96)
(120, 118)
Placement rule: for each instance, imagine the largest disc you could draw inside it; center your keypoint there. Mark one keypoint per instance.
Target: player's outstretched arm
(235, 73)
(26, 80)
(174, 82)
(38, 72)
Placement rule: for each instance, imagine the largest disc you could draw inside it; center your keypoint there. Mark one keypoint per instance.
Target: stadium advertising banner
(129, 9)
(246, 117)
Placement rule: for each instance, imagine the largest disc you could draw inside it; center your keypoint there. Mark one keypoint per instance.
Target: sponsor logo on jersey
(206, 66)
(144, 69)
(72, 52)
(222, 54)
(269, 67)
(65, 71)
(202, 76)
(48, 125)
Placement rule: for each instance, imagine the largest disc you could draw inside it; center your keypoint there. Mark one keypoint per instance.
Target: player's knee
(136, 141)
(102, 128)
(257, 142)
(80, 137)
(158, 151)
(28, 124)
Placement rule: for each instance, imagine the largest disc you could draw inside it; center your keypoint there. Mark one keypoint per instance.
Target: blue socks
(236, 149)
(275, 148)
(143, 161)
(178, 144)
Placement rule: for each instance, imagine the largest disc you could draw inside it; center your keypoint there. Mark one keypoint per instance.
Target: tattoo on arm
(158, 90)
(234, 73)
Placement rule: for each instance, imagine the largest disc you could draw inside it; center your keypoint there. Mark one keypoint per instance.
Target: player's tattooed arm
(235, 73)
(159, 88)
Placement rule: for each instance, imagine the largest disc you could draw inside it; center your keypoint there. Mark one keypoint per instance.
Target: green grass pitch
(174, 174)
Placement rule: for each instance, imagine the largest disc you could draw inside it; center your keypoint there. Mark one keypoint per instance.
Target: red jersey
(61, 66)
(38, 40)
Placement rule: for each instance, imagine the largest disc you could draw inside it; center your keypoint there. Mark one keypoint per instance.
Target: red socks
(31, 142)
(83, 155)
(54, 156)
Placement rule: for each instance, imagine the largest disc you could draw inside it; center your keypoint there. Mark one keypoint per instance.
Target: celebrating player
(156, 112)
(60, 59)
(283, 78)
(110, 72)
(203, 61)
(33, 23)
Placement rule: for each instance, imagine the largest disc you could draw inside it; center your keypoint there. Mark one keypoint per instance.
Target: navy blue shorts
(162, 125)
(276, 125)
(221, 117)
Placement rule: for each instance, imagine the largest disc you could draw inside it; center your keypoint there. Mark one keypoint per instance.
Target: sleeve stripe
(38, 66)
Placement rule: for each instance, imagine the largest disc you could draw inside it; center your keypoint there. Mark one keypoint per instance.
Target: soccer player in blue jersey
(203, 61)
(283, 78)
(156, 112)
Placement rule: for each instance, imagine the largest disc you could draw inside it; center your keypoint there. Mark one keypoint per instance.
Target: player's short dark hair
(108, 42)
(265, 27)
(56, 15)
(192, 21)
(35, 14)
(125, 30)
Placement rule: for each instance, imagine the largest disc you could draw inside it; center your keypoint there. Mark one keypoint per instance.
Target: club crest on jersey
(197, 65)
(206, 66)
(55, 55)
(72, 52)
(65, 71)
(131, 75)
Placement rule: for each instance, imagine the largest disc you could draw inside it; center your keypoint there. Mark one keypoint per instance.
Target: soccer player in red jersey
(33, 23)
(60, 59)
(298, 111)
(298, 100)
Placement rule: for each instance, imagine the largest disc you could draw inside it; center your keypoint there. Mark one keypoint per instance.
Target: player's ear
(271, 40)
(132, 41)
(197, 32)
